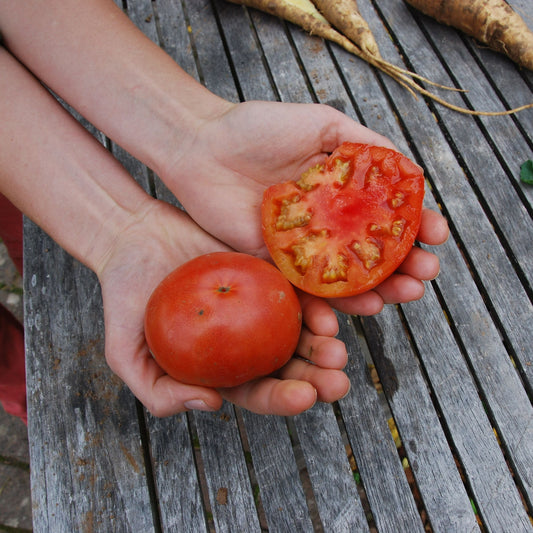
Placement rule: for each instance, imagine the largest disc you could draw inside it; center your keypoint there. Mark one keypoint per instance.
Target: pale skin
(216, 156)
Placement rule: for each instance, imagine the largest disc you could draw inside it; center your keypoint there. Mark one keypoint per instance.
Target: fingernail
(198, 405)
(348, 391)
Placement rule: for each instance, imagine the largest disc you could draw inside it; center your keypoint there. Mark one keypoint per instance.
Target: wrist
(97, 247)
(134, 92)
(173, 122)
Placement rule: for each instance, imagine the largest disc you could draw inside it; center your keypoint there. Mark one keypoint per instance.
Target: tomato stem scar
(224, 289)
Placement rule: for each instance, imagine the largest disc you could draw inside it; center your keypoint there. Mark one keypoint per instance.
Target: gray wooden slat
(334, 487)
(230, 491)
(496, 187)
(439, 482)
(375, 122)
(214, 69)
(280, 489)
(247, 57)
(141, 14)
(290, 83)
(474, 441)
(324, 77)
(176, 478)
(503, 288)
(174, 37)
(390, 498)
(87, 460)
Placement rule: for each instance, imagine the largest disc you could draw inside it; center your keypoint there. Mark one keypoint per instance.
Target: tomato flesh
(347, 224)
(223, 319)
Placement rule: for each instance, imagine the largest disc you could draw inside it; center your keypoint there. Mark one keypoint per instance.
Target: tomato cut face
(347, 224)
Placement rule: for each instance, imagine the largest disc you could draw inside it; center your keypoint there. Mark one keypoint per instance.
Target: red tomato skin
(223, 319)
(359, 207)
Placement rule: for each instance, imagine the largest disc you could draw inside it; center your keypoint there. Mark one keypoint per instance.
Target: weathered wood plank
(290, 83)
(251, 68)
(230, 490)
(176, 478)
(87, 462)
(141, 14)
(454, 388)
(174, 36)
(279, 486)
(213, 66)
(391, 501)
(439, 482)
(332, 479)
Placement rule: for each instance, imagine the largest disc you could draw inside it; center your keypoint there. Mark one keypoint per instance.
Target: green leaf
(526, 172)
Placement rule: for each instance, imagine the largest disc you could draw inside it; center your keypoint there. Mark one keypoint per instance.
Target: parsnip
(491, 22)
(344, 15)
(305, 14)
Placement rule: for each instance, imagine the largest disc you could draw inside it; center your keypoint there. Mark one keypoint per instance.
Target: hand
(219, 175)
(161, 239)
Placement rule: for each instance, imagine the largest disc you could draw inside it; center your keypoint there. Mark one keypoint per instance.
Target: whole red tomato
(346, 224)
(223, 319)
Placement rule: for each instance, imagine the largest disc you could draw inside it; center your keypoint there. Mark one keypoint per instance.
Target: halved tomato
(347, 224)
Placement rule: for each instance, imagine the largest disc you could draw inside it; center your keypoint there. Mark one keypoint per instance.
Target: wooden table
(437, 432)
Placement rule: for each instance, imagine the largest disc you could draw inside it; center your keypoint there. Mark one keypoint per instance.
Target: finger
(420, 264)
(159, 393)
(272, 396)
(326, 352)
(366, 304)
(433, 228)
(400, 288)
(318, 315)
(330, 384)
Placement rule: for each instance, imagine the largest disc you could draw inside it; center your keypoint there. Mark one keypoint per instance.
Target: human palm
(162, 239)
(220, 174)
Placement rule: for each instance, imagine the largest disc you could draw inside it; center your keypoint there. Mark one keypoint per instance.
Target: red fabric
(12, 363)
(11, 230)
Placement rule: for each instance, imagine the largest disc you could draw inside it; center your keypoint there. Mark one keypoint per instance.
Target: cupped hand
(159, 239)
(220, 173)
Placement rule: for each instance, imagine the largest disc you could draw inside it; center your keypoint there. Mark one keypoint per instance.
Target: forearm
(57, 173)
(90, 54)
